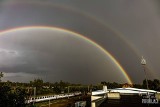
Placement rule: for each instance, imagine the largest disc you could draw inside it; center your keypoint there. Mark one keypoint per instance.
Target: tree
(144, 84)
(156, 84)
(10, 98)
(103, 83)
(38, 83)
(1, 75)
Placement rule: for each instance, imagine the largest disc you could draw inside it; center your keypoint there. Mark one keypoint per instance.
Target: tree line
(14, 94)
(152, 85)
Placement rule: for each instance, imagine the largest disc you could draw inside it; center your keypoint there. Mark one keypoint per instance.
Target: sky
(126, 29)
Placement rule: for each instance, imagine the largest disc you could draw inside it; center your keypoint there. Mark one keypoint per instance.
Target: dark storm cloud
(7, 52)
(54, 55)
(135, 20)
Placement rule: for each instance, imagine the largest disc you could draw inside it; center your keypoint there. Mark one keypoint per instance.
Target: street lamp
(143, 62)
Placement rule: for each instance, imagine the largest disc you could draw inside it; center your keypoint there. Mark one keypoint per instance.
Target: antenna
(143, 61)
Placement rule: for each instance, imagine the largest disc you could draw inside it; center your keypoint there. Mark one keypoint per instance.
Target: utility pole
(49, 103)
(34, 95)
(88, 88)
(68, 92)
(143, 63)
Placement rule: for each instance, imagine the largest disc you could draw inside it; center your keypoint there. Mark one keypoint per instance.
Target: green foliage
(12, 98)
(1, 75)
(154, 85)
(14, 94)
(37, 83)
(111, 85)
(137, 86)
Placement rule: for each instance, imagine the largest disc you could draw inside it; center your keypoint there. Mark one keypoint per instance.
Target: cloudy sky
(126, 29)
